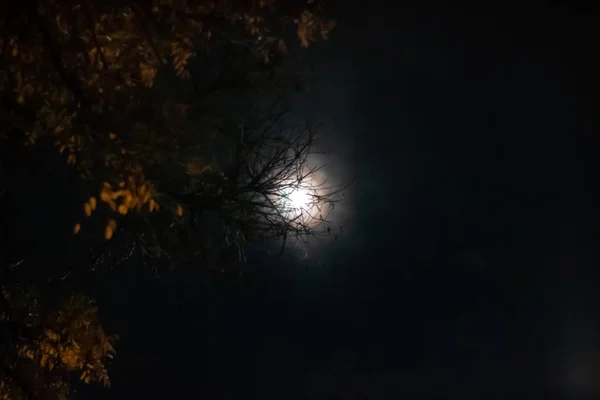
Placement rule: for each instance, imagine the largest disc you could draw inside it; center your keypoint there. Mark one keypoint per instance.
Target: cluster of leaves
(79, 73)
(130, 195)
(45, 350)
(101, 54)
(84, 76)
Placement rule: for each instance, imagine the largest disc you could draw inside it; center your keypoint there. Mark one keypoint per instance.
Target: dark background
(466, 261)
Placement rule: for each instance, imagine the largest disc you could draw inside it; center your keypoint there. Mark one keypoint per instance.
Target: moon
(297, 203)
(303, 202)
(299, 198)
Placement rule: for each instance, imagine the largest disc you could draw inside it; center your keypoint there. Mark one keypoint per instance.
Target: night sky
(464, 254)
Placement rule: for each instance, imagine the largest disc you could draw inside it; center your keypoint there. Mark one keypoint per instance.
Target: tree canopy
(169, 114)
(81, 74)
(44, 346)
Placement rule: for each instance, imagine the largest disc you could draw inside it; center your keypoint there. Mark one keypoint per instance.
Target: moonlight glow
(302, 202)
(299, 198)
(297, 203)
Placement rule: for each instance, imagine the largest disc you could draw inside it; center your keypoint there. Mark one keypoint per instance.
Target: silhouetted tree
(177, 169)
(80, 73)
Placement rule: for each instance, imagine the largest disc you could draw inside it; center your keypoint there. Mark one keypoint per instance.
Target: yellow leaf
(76, 229)
(93, 203)
(87, 209)
(51, 334)
(112, 223)
(151, 205)
(105, 196)
(147, 73)
(122, 209)
(179, 210)
(128, 199)
(112, 136)
(108, 233)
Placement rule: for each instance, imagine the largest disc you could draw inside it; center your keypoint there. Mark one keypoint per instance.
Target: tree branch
(55, 52)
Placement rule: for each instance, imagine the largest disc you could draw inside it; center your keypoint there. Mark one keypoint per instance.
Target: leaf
(147, 73)
(108, 232)
(92, 202)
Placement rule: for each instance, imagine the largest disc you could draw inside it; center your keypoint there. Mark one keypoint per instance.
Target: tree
(45, 349)
(82, 74)
(84, 67)
(172, 175)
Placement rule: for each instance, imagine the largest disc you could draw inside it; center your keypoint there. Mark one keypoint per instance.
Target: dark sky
(465, 265)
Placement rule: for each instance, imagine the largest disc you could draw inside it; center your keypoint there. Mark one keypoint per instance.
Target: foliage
(72, 61)
(82, 74)
(181, 161)
(45, 349)
(179, 158)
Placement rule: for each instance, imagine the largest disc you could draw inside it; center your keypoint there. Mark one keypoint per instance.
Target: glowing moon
(303, 202)
(296, 201)
(299, 199)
